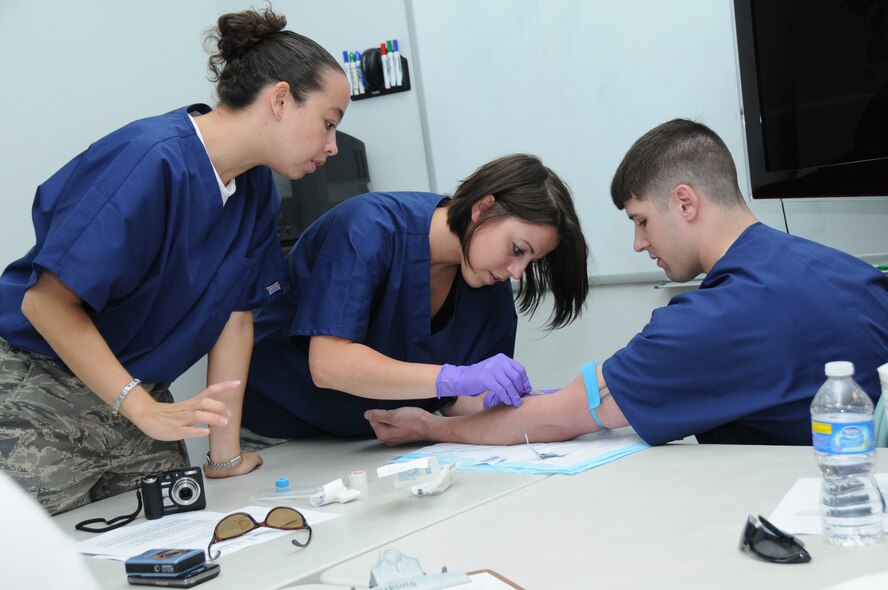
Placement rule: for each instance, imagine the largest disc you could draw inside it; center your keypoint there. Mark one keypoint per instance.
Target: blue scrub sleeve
(99, 246)
(681, 376)
(335, 270)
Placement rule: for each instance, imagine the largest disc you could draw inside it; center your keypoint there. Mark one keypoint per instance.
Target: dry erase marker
(354, 73)
(348, 75)
(396, 58)
(393, 71)
(360, 70)
(385, 65)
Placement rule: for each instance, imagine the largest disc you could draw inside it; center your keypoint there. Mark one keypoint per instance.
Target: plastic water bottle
(851, 505)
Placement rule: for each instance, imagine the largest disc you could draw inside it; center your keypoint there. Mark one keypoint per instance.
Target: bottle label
(843, 438)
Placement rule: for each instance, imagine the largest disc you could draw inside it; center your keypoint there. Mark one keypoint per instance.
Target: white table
(667, 517)
(384, 516)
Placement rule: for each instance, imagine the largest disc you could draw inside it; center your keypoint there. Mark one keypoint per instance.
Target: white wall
(74, 71)
(575, 82)
(614, 314)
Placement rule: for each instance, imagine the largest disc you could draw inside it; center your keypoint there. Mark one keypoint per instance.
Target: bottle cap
(281, 484)
(839, 369)
(883, 375)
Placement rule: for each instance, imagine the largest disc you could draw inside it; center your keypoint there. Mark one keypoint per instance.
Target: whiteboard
(575, 82)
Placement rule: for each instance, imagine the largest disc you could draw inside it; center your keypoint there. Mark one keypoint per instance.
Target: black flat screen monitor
(814, 80)
(304, 200)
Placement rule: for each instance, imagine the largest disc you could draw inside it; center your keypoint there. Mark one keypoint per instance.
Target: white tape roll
(357, 479)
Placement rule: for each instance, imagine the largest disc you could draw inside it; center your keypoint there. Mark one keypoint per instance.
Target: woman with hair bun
(153, 247)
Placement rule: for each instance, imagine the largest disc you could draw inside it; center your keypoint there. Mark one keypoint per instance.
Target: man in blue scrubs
(737, 360)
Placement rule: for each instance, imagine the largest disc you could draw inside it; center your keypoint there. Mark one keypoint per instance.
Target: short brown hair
(678, 151)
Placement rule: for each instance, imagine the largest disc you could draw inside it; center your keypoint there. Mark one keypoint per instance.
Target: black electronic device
(172, 492)
(814, 80)
(165, 562)
(303, 200)
(192, 577)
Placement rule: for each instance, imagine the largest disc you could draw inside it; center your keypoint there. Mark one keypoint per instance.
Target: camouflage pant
(61, 442)
(252, 442)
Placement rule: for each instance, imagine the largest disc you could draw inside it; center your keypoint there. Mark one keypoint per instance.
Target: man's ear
(278, 97)
(482, 205)
(687, 200)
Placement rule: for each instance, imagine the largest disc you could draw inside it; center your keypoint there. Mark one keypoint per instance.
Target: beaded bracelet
(226, 465)
(122, 396)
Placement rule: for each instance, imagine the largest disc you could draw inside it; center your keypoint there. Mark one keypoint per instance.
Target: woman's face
(306, 136)
(501, 249)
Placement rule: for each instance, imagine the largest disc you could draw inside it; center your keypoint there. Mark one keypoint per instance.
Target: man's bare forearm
(558, 416)
(562, 415)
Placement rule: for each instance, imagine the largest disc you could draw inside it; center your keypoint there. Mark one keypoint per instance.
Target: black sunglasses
(241, 523)
(765, 541)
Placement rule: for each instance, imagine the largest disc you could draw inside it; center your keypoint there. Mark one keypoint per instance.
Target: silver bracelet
(227, 465)
(122, 396)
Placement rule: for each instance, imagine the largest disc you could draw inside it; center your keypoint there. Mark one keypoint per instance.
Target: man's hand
(401, 426)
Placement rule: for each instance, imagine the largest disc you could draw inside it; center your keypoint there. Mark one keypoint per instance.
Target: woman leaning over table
(405, 299)
(153, 247)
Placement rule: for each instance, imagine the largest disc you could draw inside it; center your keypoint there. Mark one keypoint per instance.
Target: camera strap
(114, 523)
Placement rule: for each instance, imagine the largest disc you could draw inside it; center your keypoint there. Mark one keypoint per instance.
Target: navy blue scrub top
(136, 227)
(361, 272)
(739, 360)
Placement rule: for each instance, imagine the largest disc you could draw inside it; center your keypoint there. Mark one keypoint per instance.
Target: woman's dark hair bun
(239, 31)
(252, 49)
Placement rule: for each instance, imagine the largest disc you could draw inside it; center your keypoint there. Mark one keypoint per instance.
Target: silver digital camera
(172, 492)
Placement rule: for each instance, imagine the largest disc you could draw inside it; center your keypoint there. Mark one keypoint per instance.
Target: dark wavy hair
(253, 50)
(525, 189)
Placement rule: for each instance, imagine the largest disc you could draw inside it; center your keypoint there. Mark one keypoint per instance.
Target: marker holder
(374, 85)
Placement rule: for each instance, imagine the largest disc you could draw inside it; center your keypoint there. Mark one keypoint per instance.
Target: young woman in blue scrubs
(406, 299)
(153, 248)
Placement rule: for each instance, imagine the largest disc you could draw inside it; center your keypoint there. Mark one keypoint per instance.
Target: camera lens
(185, 491)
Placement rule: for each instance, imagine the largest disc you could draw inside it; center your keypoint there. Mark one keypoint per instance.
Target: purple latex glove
(504, 378)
